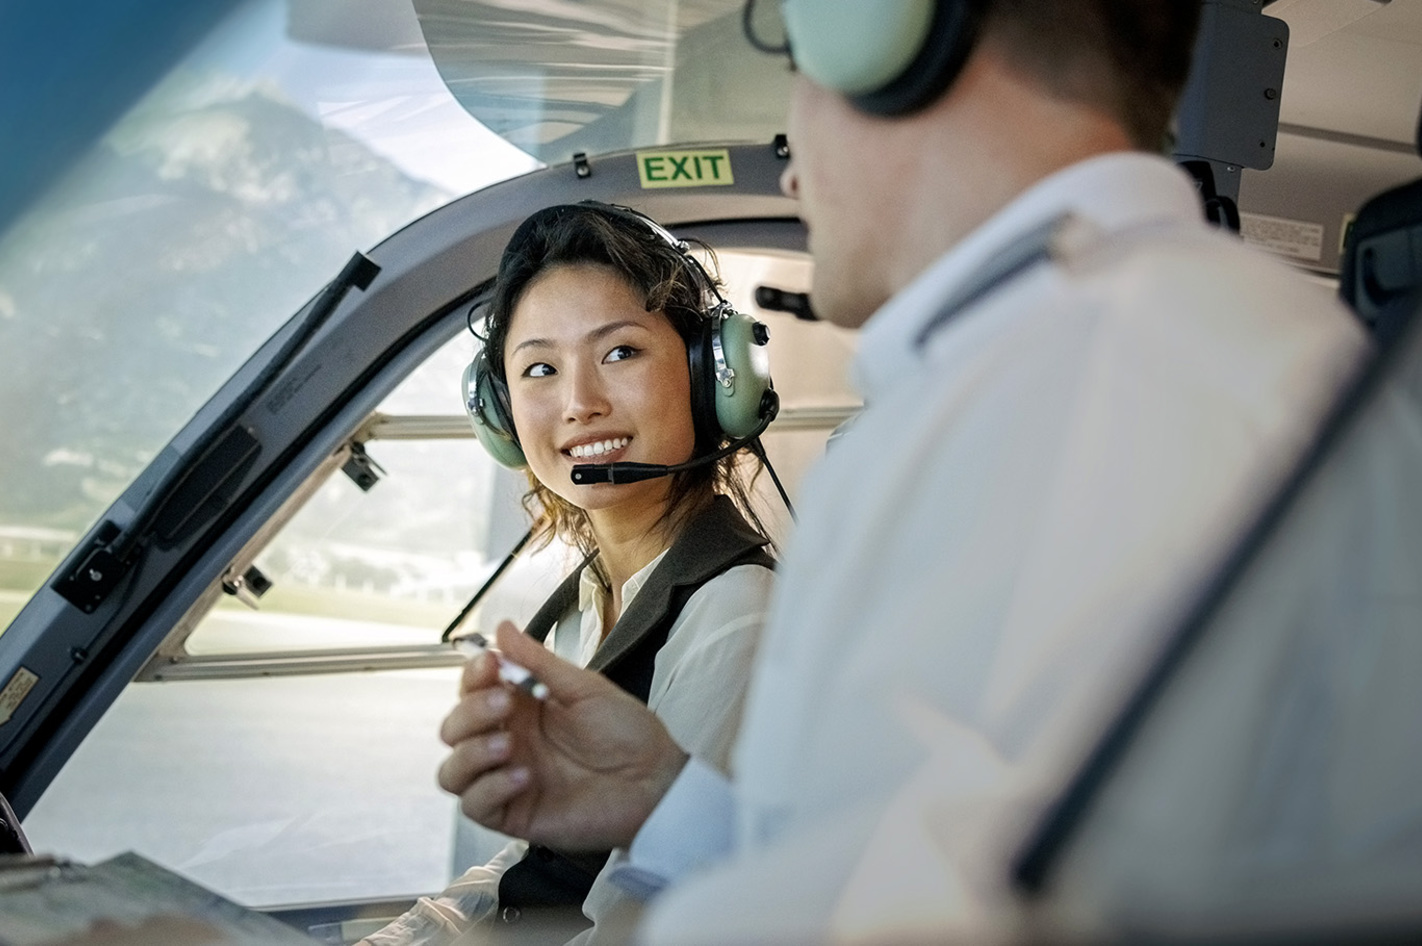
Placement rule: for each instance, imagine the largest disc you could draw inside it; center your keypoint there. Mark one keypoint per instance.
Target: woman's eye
(620, 353)
(539, 369)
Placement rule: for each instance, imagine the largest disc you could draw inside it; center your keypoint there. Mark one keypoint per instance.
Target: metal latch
(248, 586)
(362, 470)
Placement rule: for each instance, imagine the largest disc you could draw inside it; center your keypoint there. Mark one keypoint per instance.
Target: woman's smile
(600, 449)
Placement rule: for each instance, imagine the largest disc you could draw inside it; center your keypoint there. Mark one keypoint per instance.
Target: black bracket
(248, 586)
(362, 470)
(1220, 209)
(99, 570)
(1229, 108)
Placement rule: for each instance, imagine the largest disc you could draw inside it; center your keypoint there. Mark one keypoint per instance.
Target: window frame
(432, 270)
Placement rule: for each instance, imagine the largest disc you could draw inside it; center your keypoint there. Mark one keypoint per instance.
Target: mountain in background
(132, 292)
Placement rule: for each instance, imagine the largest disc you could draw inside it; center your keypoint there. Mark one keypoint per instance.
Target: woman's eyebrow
(602, 331)
(596, 334)
(531, 343)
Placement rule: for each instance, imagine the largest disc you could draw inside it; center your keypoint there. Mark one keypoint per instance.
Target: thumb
(566, 682)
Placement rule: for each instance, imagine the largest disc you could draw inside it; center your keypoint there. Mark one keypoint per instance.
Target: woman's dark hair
(667, 280)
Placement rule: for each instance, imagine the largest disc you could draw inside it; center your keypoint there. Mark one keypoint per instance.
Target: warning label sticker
(15, 692)
(1297, 238)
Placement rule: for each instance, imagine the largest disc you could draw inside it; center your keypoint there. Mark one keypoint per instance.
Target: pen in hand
(509, 672)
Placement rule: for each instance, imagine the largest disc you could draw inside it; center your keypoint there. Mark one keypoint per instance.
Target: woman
(596, 350)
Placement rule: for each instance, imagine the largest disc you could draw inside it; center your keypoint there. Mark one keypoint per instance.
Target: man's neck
(971, 162)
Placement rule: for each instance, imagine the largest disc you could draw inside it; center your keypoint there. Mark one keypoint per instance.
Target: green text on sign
(684, 168)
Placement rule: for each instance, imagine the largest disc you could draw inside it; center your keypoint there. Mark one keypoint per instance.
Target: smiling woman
(593, 283)
(602, 341)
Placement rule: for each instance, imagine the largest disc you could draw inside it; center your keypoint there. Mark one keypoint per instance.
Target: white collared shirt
(577, 637)
(989, 553)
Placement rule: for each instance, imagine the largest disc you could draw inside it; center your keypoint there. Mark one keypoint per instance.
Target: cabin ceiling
(1354, 67)
(543, 70)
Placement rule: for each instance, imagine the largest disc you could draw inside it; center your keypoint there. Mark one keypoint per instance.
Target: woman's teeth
(585, 450)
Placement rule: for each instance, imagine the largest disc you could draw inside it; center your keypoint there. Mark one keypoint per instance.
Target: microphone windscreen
(585, 474)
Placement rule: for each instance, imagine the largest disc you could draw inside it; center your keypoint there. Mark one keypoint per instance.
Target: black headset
(888, 57)
(731, 392)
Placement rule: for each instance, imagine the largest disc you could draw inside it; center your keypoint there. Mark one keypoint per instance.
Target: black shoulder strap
(563, 599)
(713, 541)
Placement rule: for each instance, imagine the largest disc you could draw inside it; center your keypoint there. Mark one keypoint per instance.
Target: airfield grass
(20, 578)
(25, 574)
(353, 605)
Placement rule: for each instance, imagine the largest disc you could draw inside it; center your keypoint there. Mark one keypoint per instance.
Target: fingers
(471, 759)
(477, 713)
(487, 799)
(479, 672)
(566, 682)
(477, 771)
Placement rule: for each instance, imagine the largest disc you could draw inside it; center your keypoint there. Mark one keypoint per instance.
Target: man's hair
(1129, 58)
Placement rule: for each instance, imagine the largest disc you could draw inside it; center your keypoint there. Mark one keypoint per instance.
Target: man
(1076, 394)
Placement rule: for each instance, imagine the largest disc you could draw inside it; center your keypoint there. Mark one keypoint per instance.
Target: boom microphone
(783, 300)
(586, 474)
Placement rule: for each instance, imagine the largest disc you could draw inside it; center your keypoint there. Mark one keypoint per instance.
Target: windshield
(293, 135)
(606, 75)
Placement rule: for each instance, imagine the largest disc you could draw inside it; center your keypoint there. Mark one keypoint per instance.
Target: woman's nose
(587, 397)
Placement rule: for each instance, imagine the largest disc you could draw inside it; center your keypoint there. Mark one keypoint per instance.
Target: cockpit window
(293, 135)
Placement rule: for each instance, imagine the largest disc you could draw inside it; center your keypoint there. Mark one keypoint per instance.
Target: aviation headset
(888, 57)
(731, 393)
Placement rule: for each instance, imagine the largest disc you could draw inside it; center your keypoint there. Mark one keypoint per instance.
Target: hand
(580, 770)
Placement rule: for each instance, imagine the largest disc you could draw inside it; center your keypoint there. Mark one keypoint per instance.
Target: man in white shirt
(1077, 393)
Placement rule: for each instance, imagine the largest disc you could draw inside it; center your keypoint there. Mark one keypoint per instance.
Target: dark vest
(715, 540)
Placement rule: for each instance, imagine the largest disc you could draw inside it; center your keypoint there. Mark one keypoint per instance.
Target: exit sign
(705, 168)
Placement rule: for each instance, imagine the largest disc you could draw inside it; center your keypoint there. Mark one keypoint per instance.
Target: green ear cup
(740, 368)
(488, 412)
(856, 46)
(888, 57)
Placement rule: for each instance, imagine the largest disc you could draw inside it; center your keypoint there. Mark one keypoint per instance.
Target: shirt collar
(1113, 192)
(591, 593)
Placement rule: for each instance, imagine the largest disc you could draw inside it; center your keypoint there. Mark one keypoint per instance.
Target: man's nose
(790, 181)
